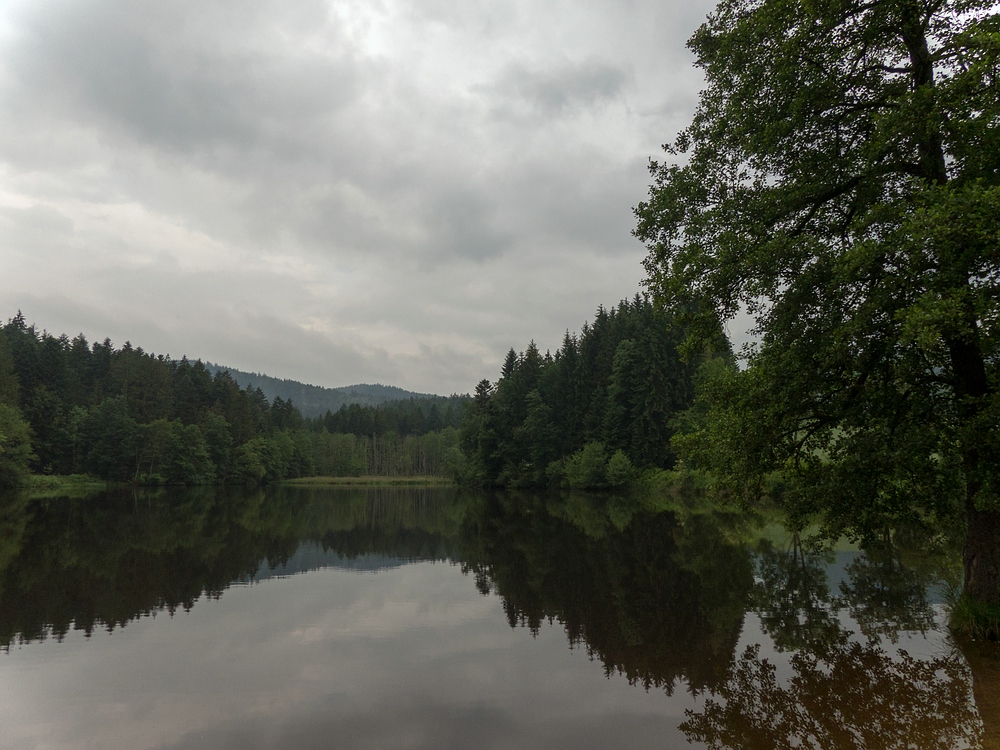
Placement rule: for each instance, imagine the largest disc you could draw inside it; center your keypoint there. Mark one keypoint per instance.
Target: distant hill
(315, 400)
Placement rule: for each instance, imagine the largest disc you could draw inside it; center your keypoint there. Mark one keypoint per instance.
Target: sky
(334, 192)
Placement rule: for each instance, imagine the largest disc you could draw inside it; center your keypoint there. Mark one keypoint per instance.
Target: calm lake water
(415, 618)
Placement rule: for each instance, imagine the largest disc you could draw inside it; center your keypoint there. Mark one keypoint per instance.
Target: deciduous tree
(841, 181)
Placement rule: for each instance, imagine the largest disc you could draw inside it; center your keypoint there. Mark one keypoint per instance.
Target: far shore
(369, 481)
(45, 486)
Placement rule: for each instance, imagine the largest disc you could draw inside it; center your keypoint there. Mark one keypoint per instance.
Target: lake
(437, 618)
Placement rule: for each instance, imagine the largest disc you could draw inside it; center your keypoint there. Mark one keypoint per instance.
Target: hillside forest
(315, 400)
(123, 414)
(594, 414)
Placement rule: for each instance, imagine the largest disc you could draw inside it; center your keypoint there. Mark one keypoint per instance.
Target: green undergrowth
(682, 483)
(975, 620)
(71, 485)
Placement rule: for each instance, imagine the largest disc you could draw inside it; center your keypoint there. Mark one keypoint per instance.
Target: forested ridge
(315, 400)
(123, 414)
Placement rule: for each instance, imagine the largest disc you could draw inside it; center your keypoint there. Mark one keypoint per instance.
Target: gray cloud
(402, 189)
(43, 221)
(562, 89)
(165, 75)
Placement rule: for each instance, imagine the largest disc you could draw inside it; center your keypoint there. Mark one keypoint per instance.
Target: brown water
(436, 619)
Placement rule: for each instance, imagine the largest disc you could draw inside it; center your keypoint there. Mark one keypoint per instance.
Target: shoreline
(368, 481)
(41, 486)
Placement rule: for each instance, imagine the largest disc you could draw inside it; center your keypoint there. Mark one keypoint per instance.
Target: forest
(122, 414)
(840, 182)
(595, 414)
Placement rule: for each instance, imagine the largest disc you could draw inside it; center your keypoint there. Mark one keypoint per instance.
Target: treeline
(597, 413)
(123, 414)
(565, 560)
(411, 416)
(594, 414)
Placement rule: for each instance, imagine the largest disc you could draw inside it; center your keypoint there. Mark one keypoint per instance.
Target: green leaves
(840, 182)
(15, 447)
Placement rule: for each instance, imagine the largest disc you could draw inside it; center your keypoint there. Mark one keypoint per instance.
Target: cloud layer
(332, 191)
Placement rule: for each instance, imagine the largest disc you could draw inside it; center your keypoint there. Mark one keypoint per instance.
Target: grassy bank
(72, 485)
(80, 485)
(369, 481)
(975, 620)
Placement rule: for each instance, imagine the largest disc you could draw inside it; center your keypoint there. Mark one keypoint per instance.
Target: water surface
(419, 618)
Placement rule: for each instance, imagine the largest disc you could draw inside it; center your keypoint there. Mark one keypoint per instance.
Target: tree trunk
(981, 557)
(930, 144)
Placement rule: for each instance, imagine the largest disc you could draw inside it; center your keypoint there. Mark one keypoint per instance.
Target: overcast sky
(335, 192)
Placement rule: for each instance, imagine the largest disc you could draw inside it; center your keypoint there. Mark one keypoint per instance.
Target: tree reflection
(792, 598)
(885, 597)
(662, 600)
(840, 691)
(109, 559)
(656, 600)
(658, 597)
(983, 658)
(852, 695)
(13, 521)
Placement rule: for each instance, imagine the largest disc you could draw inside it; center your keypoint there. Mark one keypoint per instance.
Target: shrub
(587, 468)
(621, 472)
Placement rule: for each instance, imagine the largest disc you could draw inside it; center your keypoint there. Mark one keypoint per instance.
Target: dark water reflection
(356, 618)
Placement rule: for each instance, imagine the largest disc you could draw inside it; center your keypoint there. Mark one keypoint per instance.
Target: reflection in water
(792, 598)
(103, 561)
(660, 601)
(852, 695)
(984, 661)
(798, 610)
(843, 692)
(885, 597)
(669, 601)
(656, 601)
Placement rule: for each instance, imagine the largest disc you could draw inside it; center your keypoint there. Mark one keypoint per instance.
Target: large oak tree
(841, 182)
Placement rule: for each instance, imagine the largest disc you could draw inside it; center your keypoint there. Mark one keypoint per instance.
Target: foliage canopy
(841, 182)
